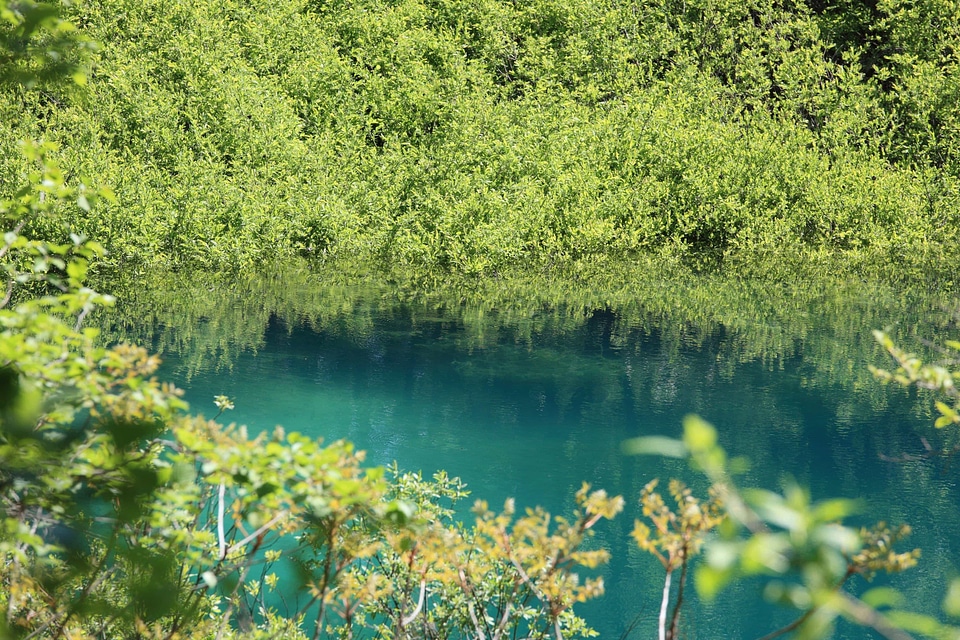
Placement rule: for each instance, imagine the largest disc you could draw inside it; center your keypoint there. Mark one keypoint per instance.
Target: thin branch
(502, 625)
(220, 537)
(320, 616)
(232, 600)
(277, 518)
(941, 350)
(544, 600)
(325, 584)
(100, 573)
(790, 627)
(625, 635)
(413, 615)
(869, 617)
(82, 317)
(224, 621)
(476, 599)
(6, 298)
(42, 628)
(476, 623)
(663, 606)
(247, 563)
(675, 619)
(809, 612)
(529, 581)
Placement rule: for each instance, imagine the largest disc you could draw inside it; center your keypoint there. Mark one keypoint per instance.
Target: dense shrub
(474, 136)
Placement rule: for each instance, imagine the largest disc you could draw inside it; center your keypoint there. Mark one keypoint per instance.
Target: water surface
(529, 400)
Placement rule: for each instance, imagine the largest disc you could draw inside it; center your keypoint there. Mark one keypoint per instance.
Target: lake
(527, 391)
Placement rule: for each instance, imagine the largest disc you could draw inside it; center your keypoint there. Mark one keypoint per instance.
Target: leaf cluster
(38, 47)
(913, 372)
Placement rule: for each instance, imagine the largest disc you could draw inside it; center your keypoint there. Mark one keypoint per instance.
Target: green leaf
(917, 622)
(698, 434)
(77, 269)
(346, 487)
(709, 580)
(400, 512)
(654, 445)
(882, 597)
(948, 415)
(942, 421)
(836, 509)
(951, 602)
(107, 194)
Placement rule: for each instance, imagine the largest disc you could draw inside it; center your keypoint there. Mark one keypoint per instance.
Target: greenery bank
(471, 137)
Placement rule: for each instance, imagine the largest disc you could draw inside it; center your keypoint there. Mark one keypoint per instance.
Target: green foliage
(79, 427)
(802, 548)
(912, 371)
(480, 137)
(125, 517)
(39, 47)
(208, 324)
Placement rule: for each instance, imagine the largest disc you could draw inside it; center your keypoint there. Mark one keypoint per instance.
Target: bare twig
(528, 580)
(277, 518)
(502, 625)
(941, 350)
(82, 317)
(663, 606)
(675, 619)
(625, 635)
(220, 537)
(476, 623)
(869, 617)
(6, 298)
(413, 615)
(790, 627)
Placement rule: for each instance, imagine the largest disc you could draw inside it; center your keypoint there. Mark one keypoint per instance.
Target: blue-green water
(531, 406)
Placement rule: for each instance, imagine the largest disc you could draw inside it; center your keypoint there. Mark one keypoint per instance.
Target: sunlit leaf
(654, 445)
(951, 602)
(709, 580)
(698, 434)
(879, 597)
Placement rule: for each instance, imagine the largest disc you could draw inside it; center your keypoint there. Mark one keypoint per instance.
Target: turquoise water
(537, 404)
